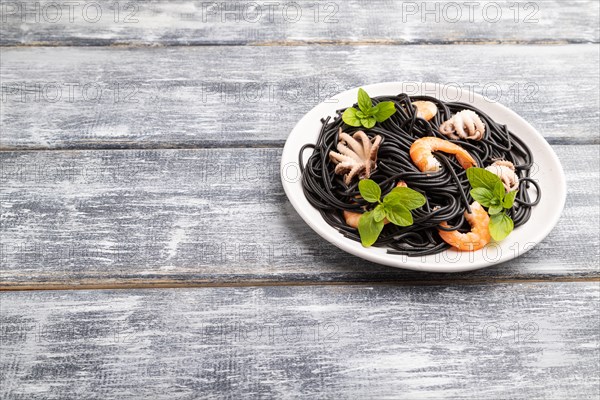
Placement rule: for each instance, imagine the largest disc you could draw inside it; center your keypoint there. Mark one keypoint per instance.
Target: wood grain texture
(213, 216)
(238, 22)
(218, 97)
(527, 341)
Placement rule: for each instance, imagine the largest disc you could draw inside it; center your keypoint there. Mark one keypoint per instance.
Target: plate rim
(379, 255)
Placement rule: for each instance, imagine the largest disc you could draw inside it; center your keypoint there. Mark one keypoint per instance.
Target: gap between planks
(278, 144)
(300, 43)
(134, 284)
(162, 146)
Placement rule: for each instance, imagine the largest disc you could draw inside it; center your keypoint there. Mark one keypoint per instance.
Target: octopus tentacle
(357, 155)
(352, 143)
(465, 124)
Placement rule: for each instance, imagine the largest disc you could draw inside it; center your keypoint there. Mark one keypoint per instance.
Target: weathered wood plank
(186, 22)
(196, 217)
(224, 96)
(533, 341)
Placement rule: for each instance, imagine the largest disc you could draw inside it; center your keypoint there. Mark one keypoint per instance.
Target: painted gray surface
(516, 341)
(215, 214)
(212, 97)
(218, 215)
(238, 22)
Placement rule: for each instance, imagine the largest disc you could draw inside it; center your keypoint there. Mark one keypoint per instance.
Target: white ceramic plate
(547, 171)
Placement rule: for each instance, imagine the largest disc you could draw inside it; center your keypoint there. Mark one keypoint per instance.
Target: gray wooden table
(148, 249)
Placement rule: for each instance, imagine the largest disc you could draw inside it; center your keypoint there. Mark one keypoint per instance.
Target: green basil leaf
(369, 229)
(392, 198)
(368, 122)
(360, 114)
(509, 199)
(373, 111)
(406, 197)
(500, 226)
(398, 215)
(499, 190)
(379, 213)
(385, 109)
(495, 209)
(369, 190)
(364, 101)
(479, 177)
(482, 195)
(350, 118)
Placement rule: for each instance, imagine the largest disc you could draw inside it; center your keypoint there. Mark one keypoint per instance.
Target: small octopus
(465, 124)
(357, 155)
(505, 170)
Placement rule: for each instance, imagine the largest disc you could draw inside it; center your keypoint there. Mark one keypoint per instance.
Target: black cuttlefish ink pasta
(446, 190)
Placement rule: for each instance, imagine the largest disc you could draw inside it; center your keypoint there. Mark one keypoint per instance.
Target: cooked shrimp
(353, 217)
(422, 150)
(470, 241)
(425, 109)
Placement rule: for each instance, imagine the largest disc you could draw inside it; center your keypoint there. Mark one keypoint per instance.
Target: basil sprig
(367, 114)
(396, 206)
(489, 191)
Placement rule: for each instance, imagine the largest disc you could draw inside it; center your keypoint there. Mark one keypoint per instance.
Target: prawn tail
(461, 241)
(465, 160)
